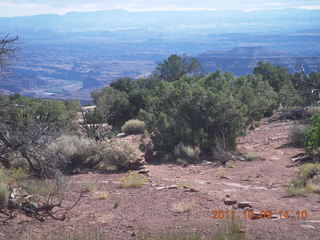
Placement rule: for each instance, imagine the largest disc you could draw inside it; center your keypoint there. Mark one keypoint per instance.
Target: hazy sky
(32, 7)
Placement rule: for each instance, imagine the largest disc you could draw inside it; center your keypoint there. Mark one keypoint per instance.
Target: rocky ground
(125, 213)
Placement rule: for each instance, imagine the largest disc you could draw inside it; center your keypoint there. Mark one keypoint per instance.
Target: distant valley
(61, 59)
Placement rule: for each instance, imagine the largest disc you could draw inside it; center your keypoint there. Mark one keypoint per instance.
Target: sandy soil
(148, 209)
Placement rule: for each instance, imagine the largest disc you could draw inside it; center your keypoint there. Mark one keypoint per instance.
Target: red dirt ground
(148, 209)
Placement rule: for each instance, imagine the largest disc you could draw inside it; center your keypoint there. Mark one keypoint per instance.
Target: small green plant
(222, 173)
(231, 165)
(250, 156)
(89, 186)
(4, 195)
(133, 126)
(187, 153)
(116, 204)
(133, 180)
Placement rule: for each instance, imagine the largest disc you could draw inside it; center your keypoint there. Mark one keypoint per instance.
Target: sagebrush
(133, 126)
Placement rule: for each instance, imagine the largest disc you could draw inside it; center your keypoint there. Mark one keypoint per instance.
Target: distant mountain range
(71, 55)
(242, 60)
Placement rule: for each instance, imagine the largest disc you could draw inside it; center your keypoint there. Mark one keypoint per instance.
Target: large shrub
(119, 153)
(196, 113)
(133, 126)
(72, 152)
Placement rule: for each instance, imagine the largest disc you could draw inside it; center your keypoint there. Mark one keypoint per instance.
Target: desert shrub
(219, 152)
(119, 153)
(313, 135)
(306, 182)
(133, 126)
(188, 153)
(297, 135)
(73, 152)
(222, 173)
(309, 170)
(4, 195)
(133, 180)
(298, 187)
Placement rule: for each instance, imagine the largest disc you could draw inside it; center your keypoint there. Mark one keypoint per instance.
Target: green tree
(175, 67)
(275, 75)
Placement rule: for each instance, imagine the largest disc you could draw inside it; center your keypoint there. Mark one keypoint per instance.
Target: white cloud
(309, 7)
(31, 7)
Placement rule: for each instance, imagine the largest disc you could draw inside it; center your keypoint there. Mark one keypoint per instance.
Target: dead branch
(40, 210)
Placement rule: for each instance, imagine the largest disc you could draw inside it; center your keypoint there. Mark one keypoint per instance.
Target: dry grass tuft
(183, 206)
(89, 186)
(133, 180)
(105, 218)
(101, 195)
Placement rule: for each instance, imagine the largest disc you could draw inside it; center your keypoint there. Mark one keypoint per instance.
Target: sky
(10, 8)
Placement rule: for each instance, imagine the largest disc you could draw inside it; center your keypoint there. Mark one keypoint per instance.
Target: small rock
(120, 135)
(245, 205)
(227, 195)
(225, 177)
(144, 171)
(208, 182)
(160, 188)
(173, 187)
(191, 190)
(177, 176)
(133, 234)
(229, 201)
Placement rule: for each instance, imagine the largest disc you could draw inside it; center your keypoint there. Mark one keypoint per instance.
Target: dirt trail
(126, 212)
(261, 182)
